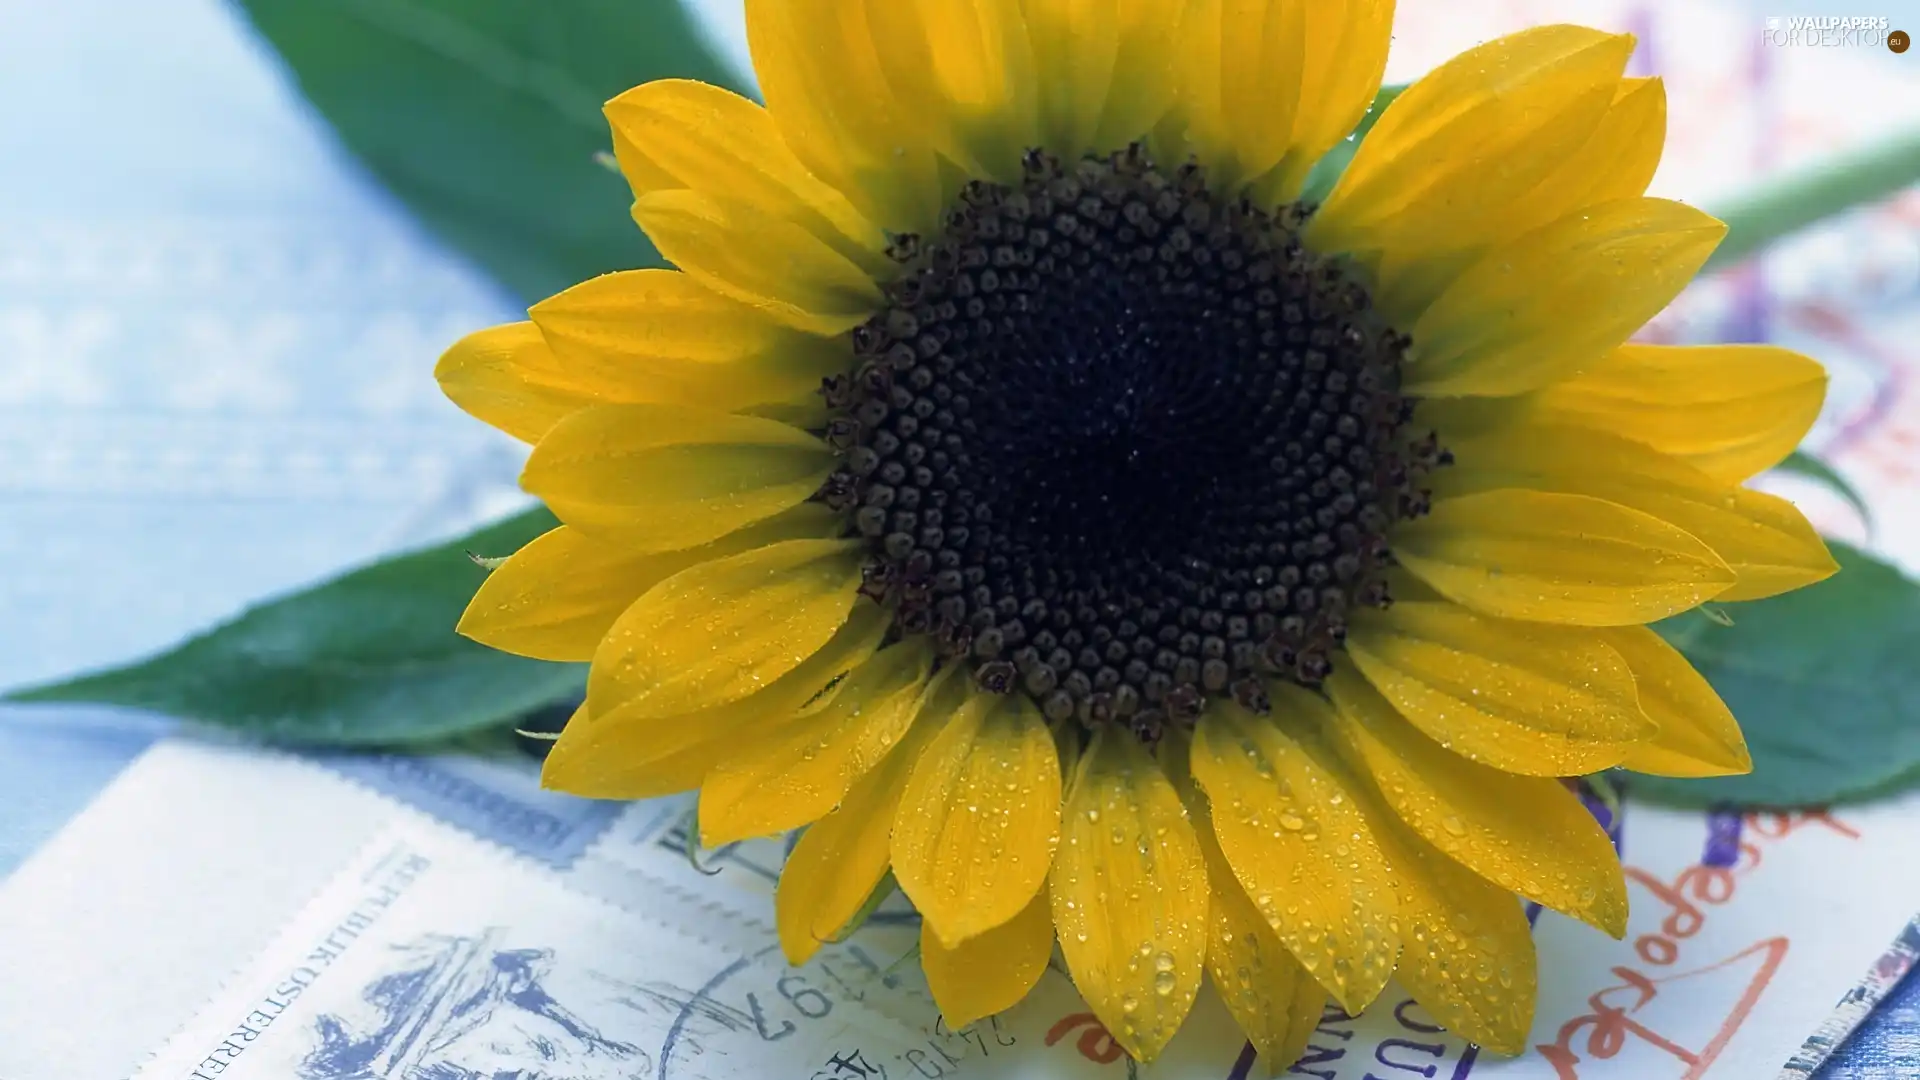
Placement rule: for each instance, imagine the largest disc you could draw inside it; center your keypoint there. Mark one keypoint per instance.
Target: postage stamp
(646, 861)
(495, 799)
(419, 961)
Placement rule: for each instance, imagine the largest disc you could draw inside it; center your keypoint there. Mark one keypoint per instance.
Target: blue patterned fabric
(1887, 1045)
(216, 348)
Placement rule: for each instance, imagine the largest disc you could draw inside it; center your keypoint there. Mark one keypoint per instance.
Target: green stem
(1799, 198)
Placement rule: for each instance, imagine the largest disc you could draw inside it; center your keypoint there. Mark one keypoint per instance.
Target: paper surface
(159, 929)
(155, 908)
(427, 956)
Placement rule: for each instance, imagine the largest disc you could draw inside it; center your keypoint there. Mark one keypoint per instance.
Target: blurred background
(218, 323)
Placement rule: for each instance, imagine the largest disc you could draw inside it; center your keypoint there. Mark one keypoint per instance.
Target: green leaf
(1824, 684)
(1326, 172)
(484, 115)
(1801, 463)
(881, 890)
(368, 659)
(1795, 199)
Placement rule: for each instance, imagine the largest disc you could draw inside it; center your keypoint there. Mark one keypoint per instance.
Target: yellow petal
(1270, 995)
(1145, 82)
(1345, 55)
(1526, 103)
(965, 69)
(1241, 64)
(677, 133)
(1698, 736)
(627, 753)
(556, 598)
(629, 779)
(803, 770)
(1559, 558)
(829, 98)
(1104, 69)
(664, 477)
(1076, 44)
(977, 825)
(508, 377)
(1299, 844)
(1616, 162)
(1522, 697)
(840, 859)
(717, 632)
(1308, 1006)
(1469, 958)
(990, 973)
(1765, 540)
(1732, 411)
(774, 266)
(643, 336)
(653, 322)
(1129, 894)
(1528, 834)
(1551, 303)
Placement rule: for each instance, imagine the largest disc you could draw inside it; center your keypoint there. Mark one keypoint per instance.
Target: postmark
(431, 958)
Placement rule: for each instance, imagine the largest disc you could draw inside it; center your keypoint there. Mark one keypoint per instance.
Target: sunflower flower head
(1019, 487)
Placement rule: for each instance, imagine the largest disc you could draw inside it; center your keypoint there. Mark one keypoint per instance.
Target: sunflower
(1021, 488)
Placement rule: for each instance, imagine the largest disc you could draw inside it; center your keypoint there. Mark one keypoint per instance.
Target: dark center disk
(1123, 444)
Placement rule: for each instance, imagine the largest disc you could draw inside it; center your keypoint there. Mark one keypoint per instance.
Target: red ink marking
(1095, 1044)
(1779, 824)
(1617, 1011)
(1614, 1023)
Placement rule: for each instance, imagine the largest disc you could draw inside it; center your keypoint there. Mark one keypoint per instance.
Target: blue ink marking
(1614, 825)
(1467, 1059)
(1723, 838)
(686, 1012)
(443, 1002)
(491, 800)
(1244, 1066)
